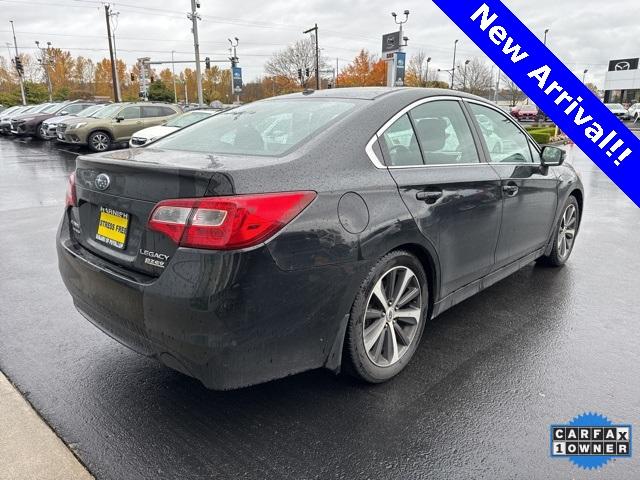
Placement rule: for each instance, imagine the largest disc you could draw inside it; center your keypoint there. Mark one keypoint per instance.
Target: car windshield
(188, 119)
(108, 111)
(89, 111)
(263, 128)
(38, 108)
(614, 106)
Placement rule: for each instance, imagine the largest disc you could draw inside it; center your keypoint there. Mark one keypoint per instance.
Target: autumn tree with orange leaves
(366, 70)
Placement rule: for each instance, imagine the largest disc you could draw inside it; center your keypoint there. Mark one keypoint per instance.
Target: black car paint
(237, 318)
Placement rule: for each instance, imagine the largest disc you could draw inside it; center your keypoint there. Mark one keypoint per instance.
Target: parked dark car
(31, 124)
(320, 229)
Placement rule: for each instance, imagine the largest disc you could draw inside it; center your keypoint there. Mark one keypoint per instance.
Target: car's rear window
(263, 128)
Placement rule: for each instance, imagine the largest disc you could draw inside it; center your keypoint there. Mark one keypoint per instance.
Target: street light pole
(45, 59)
(584, 74)
(194, 17)
(453, 69)
(545, 36)
(15, 44)
(426, 74)
(173, 72)
(464, 83)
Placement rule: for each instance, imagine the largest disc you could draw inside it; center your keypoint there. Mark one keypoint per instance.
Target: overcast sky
(583, 33)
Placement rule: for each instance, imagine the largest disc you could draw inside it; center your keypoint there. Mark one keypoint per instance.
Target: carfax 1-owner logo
(590, 441)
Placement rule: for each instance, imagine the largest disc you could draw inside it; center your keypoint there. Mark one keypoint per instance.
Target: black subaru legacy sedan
(319, 229)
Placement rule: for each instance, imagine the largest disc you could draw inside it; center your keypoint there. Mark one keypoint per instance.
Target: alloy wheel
(392, 316)
(100, 142)
(567, 231)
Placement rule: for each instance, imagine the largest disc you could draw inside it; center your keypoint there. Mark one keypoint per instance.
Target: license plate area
(113, 227)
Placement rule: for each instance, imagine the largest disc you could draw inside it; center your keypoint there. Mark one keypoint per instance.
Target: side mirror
(552, 156)
(119, 118)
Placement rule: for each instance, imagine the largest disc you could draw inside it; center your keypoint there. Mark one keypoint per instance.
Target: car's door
(432, 153)
(127, 122)
(530, 191)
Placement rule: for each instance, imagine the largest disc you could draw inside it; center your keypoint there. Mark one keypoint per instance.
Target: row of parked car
(99, 126)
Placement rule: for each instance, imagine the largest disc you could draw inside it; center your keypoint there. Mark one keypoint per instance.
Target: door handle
(511, 189)
(429, 196)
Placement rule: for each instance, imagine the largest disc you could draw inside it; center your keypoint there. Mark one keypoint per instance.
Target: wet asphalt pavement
(488, 379)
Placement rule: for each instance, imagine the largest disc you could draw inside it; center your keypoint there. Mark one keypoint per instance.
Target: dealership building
(622, 81)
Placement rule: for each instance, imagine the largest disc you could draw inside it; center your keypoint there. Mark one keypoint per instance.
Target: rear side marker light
(227, 223)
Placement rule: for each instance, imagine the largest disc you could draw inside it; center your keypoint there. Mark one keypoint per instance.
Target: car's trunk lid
(117, 191)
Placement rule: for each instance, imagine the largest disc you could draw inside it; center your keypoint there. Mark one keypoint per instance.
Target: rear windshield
(262, 128)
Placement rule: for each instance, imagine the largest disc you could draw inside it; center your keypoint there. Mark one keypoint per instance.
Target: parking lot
(489, 377)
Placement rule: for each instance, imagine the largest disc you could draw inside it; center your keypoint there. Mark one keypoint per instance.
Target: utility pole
(335, 85)
(15, 44)
(315, 29)
(453, 69)
(115, 52)
(45, 61)
(194, 17)
(173, 72)
(114, 74)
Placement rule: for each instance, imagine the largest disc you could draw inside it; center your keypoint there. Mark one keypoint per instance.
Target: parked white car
(634, 112)
(618, 110)
(150, 134)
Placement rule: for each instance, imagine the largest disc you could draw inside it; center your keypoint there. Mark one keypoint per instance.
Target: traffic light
(207, 63)
(19, 66)
(307, 72)
(133, 77)
(299, 74)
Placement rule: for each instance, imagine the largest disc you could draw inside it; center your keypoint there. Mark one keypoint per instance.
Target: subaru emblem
(102, 181)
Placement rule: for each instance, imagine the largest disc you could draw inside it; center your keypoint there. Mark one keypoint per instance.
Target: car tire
(380, 342)
(99, 141)
(564, 234)
(39, 133)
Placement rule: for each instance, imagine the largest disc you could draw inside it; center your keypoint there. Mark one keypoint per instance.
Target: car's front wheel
(387, 318)
(99, 141)
(40, 132)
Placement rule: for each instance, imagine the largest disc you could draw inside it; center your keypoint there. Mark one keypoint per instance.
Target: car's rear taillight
(70, 199)
(226, 223)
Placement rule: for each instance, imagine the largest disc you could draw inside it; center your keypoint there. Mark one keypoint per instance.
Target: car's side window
(151, 111)
(166, 111)
(505, 141)
(400, 144)
(444, 133)
(129, 113)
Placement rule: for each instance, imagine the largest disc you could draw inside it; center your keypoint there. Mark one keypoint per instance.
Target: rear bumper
(229, 319)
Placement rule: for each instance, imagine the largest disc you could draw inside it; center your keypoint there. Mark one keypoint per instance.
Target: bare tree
(301, 56)
(513, 92)
(474, 77)
(418, 72)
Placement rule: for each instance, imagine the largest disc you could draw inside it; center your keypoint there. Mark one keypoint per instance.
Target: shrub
(541, 137)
